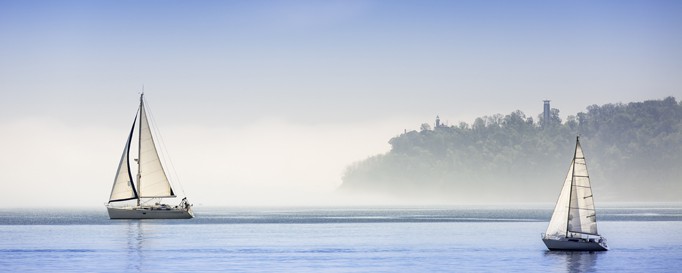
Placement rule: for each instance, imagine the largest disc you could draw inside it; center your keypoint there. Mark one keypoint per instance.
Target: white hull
(149, 213)
(574, 244)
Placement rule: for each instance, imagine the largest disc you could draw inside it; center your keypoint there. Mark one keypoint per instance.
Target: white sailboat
(574, 222)
(152, 182)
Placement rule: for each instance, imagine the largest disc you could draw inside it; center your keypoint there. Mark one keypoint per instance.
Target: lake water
(642, 238)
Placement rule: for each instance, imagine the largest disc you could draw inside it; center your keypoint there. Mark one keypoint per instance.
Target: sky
(267, 102)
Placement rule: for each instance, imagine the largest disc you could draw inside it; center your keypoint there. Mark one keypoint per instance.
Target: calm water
(643, 238)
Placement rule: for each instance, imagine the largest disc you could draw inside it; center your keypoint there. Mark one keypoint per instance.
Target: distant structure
(439, 124)
(546, 113)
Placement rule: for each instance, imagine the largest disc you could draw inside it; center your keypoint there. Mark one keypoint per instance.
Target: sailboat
(152, 182)
(574, 222)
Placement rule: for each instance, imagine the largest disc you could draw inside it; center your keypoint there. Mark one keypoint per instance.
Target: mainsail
(582, 217)
(152, 179)
(574, 211)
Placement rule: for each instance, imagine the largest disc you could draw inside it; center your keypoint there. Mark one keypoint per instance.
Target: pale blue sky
(337, 70)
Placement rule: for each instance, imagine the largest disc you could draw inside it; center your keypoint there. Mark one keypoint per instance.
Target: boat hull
(574, 245)
(149, 213)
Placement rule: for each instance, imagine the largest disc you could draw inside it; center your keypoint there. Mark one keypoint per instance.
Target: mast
(139, 150)
(570, 193)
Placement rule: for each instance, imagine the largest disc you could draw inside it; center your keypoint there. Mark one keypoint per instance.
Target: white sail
(559, 222)
(574, 222)
(574, 211)
(152, 179)
(123, 188)
(582, 216)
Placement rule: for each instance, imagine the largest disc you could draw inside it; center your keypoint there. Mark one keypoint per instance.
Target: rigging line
(164, 150)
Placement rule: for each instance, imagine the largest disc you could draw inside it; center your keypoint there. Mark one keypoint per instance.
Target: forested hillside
(633, 151)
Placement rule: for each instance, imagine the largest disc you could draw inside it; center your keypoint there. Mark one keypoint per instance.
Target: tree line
(633, 151)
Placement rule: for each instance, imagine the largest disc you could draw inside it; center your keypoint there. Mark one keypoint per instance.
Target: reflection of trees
(575, 261)
(625, 145)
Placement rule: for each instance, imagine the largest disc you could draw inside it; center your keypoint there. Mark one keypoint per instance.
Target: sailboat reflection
(135, 246)
(575, 261)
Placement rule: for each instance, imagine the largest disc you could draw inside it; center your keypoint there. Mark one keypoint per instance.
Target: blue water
(643, 238)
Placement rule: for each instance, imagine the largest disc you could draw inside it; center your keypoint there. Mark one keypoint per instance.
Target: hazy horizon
(266, 103)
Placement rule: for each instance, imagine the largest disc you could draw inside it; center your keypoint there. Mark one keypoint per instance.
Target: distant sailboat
(574, 222)
(152, 182)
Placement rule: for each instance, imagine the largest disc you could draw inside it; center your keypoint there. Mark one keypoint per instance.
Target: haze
(267, 102)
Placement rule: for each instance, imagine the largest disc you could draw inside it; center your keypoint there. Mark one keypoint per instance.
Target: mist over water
(269, 102)
(632, 152)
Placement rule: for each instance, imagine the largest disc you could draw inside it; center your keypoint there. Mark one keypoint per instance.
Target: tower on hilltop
(546, 113)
